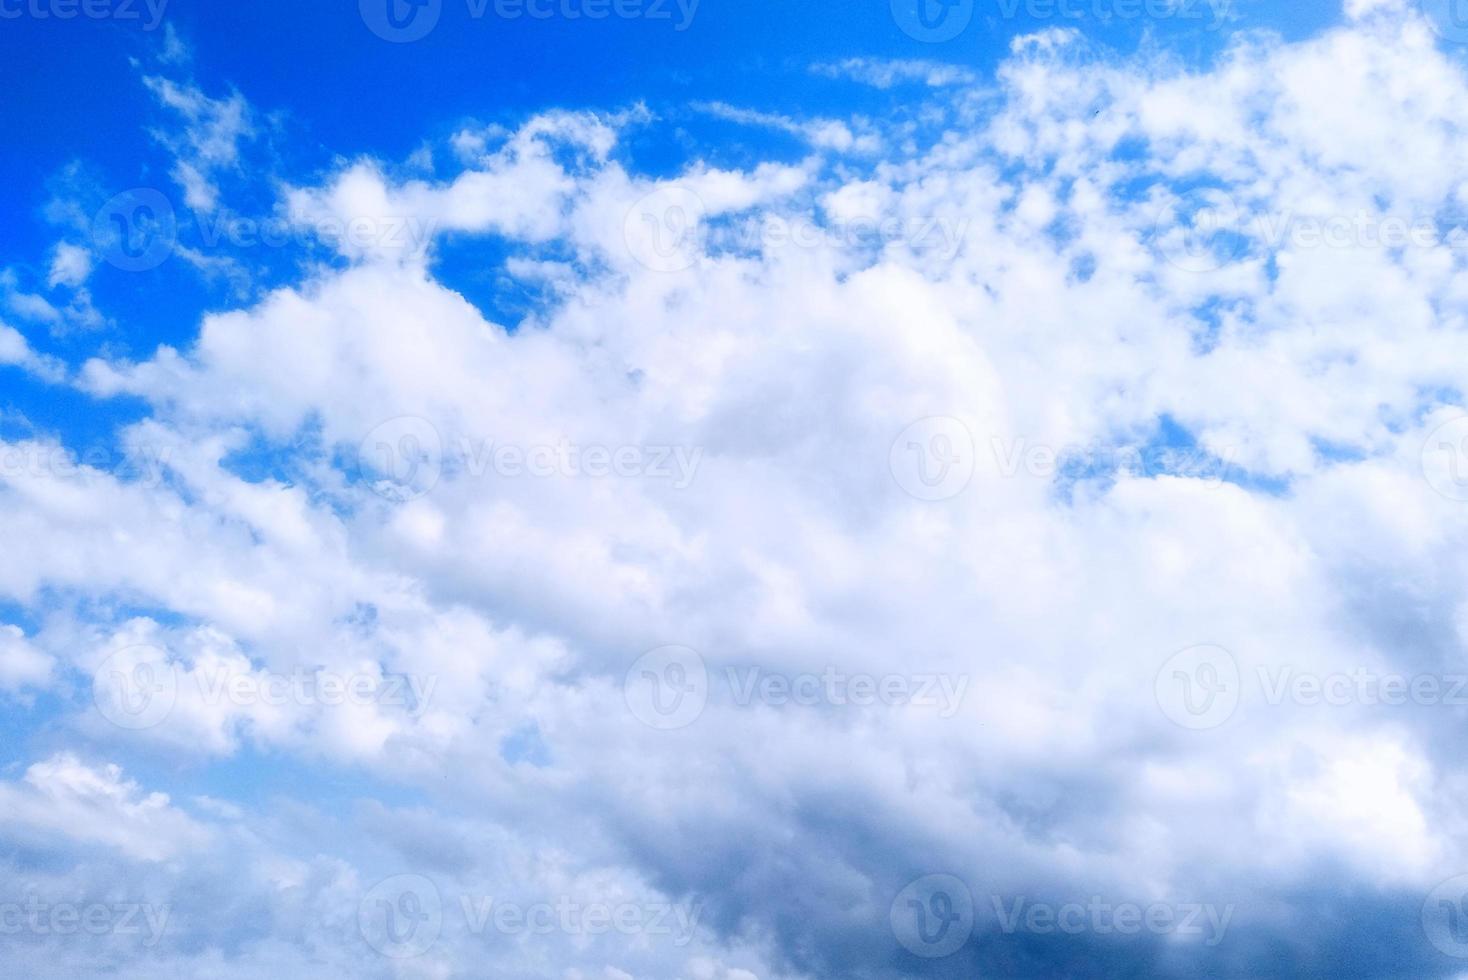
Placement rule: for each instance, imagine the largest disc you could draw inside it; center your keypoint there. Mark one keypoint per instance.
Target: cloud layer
(953, 471)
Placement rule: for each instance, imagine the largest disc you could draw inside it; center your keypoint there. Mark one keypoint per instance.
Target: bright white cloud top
(1042, 508)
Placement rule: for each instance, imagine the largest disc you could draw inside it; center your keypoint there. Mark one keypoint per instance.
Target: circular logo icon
(1445, 917)
(933, 459)
(136, 230)
(1445, 459)
(932, 21)
(135, 687)
(400, 21)
(667, 688)
(933, 916)
(401, 916)
(1449, 18)
(1199, 687)
(1201, 231)
(402, 458)
(663, 230)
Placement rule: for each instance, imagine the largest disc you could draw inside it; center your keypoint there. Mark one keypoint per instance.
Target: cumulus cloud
(1169, 326)
(98, 806)
(21, 664)
(70, 265)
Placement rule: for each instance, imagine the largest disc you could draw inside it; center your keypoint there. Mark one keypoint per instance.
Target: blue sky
(300, 67)
(837, 499)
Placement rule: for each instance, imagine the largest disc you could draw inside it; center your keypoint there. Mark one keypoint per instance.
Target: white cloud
(70, 265)
(210, 139)
(1064, 320)
(21, 665)
(856, 136)
(887, 73)
(64, 796)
